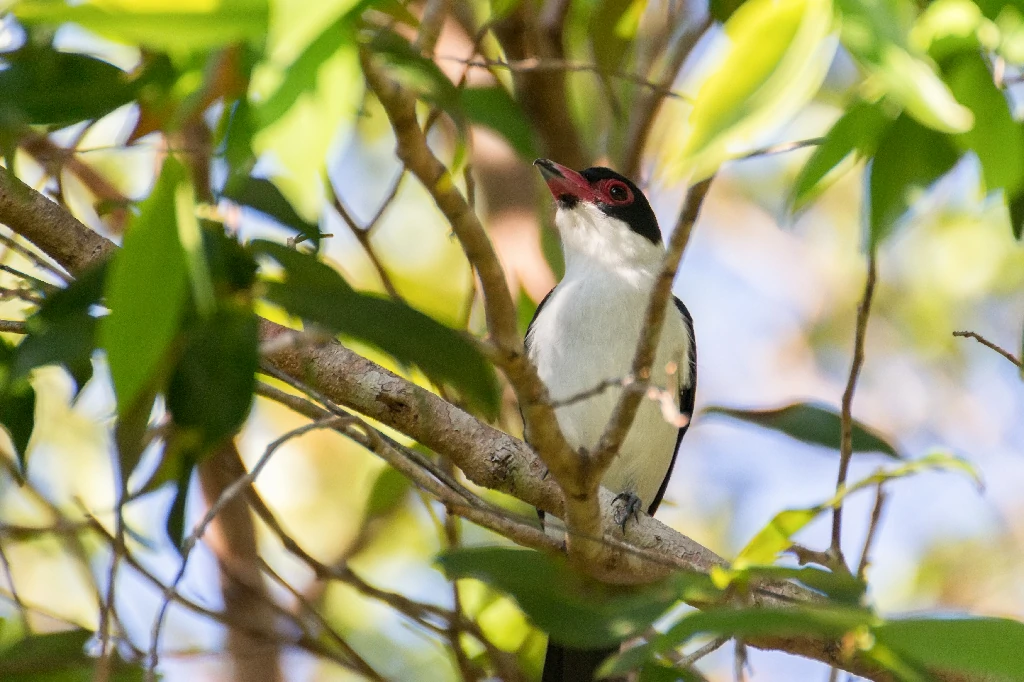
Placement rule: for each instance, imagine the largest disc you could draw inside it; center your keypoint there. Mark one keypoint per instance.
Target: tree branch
(985, 342)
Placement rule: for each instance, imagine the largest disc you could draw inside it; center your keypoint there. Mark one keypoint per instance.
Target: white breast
(585, 334)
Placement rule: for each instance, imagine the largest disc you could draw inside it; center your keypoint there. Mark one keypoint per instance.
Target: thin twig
(783, 147)
(876, 515)
(229, 493)
(535, 64)
(15, 597)
(13, 327)
(36, 259)
(714, 645)
(363, 237)
(846, 418)
(985, 342)
(358, 662)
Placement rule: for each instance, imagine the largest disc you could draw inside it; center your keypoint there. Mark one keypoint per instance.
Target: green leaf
(840, 587)
(417, 73)
(612, 29)
(654, 672)
(875, 36)
(775, 538)
(776, 59)
(808, 620)
(59, 657)
(574, 610)
(494, 108)
(813, 424)
(211, 389)
(186, 27)
(857, 131)
(147, 290)
(314, 291)
(389, 490)
(62, 331)
(43, 86)
(721, 10)
(264, 196)
(986, 647)
(17, 402)
(910, 158)
(1015, 204)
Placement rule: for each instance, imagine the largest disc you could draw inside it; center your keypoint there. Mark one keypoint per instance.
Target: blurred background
(773, 294)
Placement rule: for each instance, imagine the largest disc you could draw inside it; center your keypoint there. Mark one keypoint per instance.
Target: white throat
(595, 243)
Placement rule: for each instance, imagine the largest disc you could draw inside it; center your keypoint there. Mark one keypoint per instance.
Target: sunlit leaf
(314, 291)
(814, 424)
(910, 158)
(264, 196)
(574, 610)
(41, 85)
(987, 647)
(494, 108)
(612, 28)
(935, 461)
(147, 289)
(746, 622)
(17, 403)
(211, 388)
(59, 656)
(774, 538)
(874, 34)
(777, 56)
(857, 131)
(186, 25)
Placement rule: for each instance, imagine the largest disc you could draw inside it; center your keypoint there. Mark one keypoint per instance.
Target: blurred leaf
(494, 108)
(232, 268)
(211, 388)
(525, 311)
(62, 331)
(175, 522)
(612, 29)
(186, 26)
(936, 461)
(986, 647)
(775, 538)
(910, 158)
(655, 672)
(777, 56)
(574, 610)
(721, 10)
(813, 424)
(314, 291)
(147, 290)
(264, 196)
(59, 657)
(858, 130)
(840, 587)
(387, 494)
(416, 72)
(874, 34)
(300, 77)
(195, 253)
(746, 622)
(996, 138)
(17, 403)
(1015, 204)
(41, 85)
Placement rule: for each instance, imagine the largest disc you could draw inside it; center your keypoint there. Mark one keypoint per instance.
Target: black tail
(562, 664)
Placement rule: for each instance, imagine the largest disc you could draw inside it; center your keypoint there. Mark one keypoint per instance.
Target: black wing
(687, 395)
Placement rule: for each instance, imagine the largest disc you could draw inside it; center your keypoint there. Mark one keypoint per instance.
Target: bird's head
(602, 216)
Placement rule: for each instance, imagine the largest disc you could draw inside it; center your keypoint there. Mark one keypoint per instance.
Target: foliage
(232, 221)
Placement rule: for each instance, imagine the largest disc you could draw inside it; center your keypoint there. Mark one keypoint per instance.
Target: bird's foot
(625, 506)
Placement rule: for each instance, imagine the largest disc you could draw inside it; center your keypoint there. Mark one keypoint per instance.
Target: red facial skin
(563, 181)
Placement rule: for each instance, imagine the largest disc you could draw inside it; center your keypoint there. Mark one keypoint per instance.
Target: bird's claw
(626, 505)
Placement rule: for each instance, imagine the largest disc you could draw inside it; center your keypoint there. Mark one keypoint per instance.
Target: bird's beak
(566, 185)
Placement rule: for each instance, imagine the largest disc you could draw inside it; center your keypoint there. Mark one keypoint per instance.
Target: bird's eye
(618, 192)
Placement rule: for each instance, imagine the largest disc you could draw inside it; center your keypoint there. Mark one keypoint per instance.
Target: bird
(582, 339)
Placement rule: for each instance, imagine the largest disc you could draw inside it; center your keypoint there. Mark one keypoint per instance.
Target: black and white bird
(585, 333)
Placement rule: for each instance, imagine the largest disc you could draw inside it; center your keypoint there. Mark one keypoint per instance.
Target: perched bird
(584, 335)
